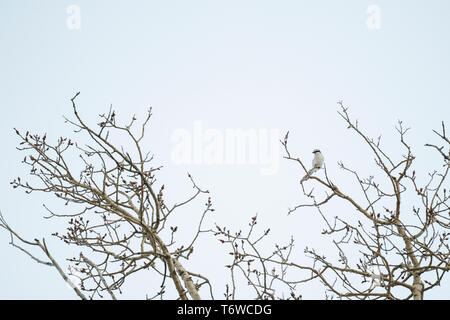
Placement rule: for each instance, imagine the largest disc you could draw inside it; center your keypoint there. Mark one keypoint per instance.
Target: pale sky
(269, 66)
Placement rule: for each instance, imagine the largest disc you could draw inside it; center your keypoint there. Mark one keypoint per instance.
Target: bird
(317, 163)
(376, 278)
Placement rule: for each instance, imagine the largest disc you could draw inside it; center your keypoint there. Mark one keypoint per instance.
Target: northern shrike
(317, 163)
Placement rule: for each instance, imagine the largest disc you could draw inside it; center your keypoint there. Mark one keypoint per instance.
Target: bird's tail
(310, 172)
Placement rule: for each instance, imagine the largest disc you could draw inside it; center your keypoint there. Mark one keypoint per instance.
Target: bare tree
(265, 273)
(119, 218)
(391, 241)
(402, 248)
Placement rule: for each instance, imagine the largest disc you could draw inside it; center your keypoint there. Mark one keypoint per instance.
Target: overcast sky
(214, 68)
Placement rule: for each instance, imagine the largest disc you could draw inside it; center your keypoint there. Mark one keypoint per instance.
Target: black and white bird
(317, 163)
